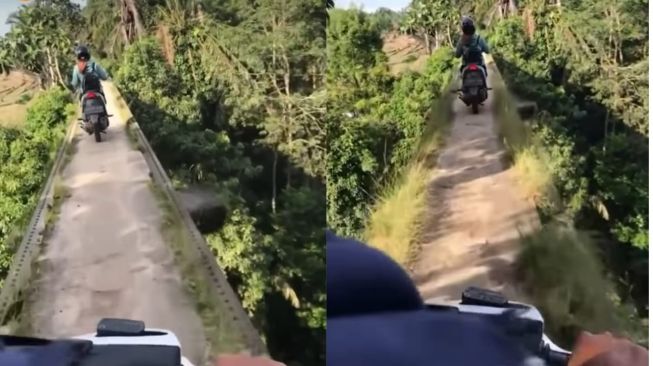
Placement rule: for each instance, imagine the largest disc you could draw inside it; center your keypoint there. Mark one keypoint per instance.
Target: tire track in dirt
(475, 212)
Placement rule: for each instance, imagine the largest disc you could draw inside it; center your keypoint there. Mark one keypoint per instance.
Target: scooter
(474, 87)
(521, 322)
(95, 119)
(116, 342)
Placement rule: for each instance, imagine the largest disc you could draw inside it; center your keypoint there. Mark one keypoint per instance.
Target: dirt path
(475, 210)
(106, 256)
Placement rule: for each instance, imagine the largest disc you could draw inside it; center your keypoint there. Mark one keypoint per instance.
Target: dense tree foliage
(237, 102)
(231, 96)
(41, 38)
(386, 20)
(374, 119)
(26, 155)
(586, 65)
(433, 21)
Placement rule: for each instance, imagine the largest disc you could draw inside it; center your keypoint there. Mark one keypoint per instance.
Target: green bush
(376, 122)
(26, 157)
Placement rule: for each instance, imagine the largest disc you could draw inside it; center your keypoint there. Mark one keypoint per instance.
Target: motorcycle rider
(471, 46)
(86, 67)
(375, 316)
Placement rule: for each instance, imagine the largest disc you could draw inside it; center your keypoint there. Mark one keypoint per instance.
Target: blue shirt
(462, 45)
(77, 79)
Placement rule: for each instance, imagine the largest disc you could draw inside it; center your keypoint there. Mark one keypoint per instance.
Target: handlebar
(554, 355)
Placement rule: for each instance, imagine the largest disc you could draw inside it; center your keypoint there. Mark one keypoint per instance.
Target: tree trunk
(274, 181)
(125, 35)
(508, 7)
(286, 109)
(288, 169)
(385, 154)
(605, 131)
(512, 7)
(138, 24)
(58, 70)
(427, 40)
(191, 60)
(131, 21)
(53, 77)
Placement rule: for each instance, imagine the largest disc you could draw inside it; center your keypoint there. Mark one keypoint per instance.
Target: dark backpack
(91, 80)
(473, 53)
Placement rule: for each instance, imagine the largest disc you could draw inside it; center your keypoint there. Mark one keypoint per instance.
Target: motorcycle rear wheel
(97, 133)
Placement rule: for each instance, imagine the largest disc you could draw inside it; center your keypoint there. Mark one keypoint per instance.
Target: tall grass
(529, 159)
(394, 222)
(564, 277)
(394, 219)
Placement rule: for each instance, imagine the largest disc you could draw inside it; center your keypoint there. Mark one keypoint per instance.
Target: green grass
(59, 193)
(562, 274)
(131, 135)
(394, 219)
(394, 223)
(69, 152)
(222, 336)
(525, 154)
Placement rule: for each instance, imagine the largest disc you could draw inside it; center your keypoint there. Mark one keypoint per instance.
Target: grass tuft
(525, 154)
(394, 224)
(394, 220)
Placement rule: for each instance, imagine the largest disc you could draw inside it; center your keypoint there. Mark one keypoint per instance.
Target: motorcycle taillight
(90, 95)
(473, 67)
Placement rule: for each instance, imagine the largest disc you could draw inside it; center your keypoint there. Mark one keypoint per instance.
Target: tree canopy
(231, 95)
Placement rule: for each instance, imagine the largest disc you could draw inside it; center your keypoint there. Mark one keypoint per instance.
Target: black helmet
(467, 26)
(82, 53)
